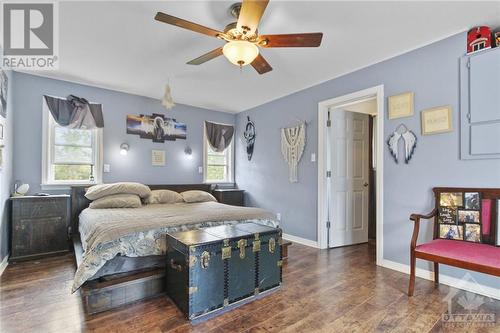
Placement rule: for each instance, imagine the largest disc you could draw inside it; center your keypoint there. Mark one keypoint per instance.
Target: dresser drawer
(39, 236)
(27, 208)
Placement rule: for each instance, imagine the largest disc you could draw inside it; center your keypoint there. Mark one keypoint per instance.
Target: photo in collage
(459, 216)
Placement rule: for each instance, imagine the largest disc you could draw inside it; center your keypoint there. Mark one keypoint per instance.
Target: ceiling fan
(242, 38)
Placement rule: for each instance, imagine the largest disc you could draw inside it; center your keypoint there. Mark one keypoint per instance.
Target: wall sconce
(189, 152)
(124, 149)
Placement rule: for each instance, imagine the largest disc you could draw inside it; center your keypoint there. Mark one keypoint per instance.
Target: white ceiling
(118, 45)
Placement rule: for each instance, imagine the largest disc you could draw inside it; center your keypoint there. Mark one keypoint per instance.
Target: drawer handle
(175, 266)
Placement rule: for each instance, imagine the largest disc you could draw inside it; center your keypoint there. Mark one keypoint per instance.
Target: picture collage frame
(459, 216)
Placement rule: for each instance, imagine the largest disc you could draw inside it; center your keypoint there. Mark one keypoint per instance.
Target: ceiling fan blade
(206, 57)
(169, 19)
(261, 65)
(292, 40)
(250, 14)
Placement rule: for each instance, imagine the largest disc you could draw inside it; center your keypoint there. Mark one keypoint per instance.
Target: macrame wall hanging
(409, 139)
(293, 141)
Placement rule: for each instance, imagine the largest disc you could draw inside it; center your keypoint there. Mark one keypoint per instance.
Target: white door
(349, 188)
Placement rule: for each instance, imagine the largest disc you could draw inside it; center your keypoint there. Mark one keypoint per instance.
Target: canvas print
(451, 199)
(468, 216)
(3, 93)
(451, 231)
(472, 233)
(448, 215)
(472, 200)
(156, 127)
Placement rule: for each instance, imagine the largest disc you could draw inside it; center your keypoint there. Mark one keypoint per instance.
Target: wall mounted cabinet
(480, 105)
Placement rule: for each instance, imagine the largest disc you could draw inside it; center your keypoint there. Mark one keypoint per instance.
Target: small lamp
(189, 152)
(124, 149)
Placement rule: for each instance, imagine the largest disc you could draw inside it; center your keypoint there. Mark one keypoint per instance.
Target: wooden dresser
(229, 196)
(39, 226)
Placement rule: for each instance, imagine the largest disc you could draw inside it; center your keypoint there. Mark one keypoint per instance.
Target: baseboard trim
(444, 279)
(300, 240)
(3, 264)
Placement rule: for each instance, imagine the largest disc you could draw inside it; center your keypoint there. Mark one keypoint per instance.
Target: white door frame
(323, 107)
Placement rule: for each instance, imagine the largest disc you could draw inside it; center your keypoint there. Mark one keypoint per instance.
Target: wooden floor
(339, 290)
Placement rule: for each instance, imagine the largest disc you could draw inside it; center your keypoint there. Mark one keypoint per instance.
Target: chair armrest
(415, 217)
(416, 227)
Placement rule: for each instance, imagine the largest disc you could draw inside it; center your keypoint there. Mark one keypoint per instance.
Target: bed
(120, 252)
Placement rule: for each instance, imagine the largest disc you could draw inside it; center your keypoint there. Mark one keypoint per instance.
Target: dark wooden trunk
(213, 269)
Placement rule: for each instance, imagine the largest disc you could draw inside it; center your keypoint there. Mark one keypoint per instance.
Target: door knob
(365, 184)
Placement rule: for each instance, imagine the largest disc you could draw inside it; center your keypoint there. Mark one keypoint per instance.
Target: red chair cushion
(481, 254)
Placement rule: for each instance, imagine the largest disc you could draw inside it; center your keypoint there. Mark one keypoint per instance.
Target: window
(70, 156)
(218, 167)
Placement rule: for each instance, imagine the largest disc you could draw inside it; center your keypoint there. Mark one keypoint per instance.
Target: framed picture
(401, 105)
(472, 200)
(451, 199)
(451, 231)
(436, 120)
(468, 216)
(157, 157)
(4, 83)
(156, 127)
(472, 232)
(448, 215)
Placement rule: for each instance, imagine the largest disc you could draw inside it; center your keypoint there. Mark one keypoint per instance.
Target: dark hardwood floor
(339, 290)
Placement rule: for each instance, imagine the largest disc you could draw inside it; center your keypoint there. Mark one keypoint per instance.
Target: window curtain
(219, 136)
(75, 112)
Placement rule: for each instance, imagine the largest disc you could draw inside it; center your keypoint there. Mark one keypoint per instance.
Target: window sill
(64, 186)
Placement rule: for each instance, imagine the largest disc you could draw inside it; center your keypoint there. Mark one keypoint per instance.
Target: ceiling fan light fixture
(240, 52)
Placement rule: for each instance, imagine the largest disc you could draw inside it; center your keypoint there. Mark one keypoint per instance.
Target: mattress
(140, 232)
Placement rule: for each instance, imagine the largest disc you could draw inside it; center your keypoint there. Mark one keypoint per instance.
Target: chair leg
(436, 274)
(413, 261)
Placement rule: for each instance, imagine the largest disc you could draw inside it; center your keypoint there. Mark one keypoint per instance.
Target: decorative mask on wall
(249, 135)
(409, 138)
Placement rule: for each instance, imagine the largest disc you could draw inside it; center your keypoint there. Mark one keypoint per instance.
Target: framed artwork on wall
(157, 157)
(401, 105)
(436, 120)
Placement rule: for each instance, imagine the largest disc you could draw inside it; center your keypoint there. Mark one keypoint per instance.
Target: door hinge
(328, 224)
(328, 174)
(468, 63)
(328, 122)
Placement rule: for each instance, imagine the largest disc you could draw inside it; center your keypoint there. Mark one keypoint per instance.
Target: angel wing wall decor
(409, 139)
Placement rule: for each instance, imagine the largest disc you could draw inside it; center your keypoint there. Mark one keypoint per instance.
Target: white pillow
(163, 197)
(197, 196)
(99, 191)
(117, 201)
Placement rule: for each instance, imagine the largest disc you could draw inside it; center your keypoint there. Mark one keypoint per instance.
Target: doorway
(350, 169)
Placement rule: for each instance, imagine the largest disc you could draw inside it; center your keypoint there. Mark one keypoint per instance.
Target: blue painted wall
(432, 72)
(6, 181)
(136, 166)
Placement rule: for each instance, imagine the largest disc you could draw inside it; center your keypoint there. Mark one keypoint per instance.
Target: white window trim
(205, 153)
(47, 151)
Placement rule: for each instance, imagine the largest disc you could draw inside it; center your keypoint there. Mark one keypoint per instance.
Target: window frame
(230, 159)
(48, 148)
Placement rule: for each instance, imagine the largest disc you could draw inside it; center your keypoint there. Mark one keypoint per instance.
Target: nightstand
(39, 226)
(229, 196)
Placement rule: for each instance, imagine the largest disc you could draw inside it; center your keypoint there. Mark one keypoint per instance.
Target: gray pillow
(117, 201)
(99, 191)
(163, 197)
(197, 196)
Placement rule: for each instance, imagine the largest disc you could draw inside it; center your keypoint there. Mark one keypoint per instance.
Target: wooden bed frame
(111, 291)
